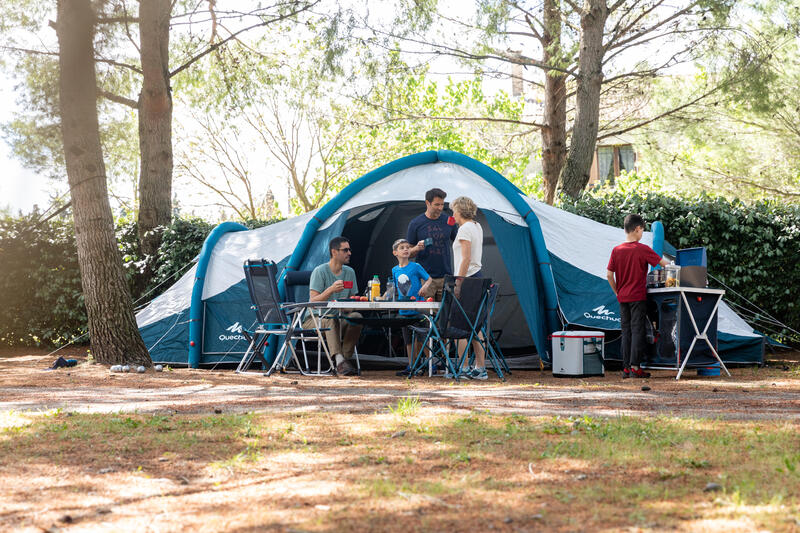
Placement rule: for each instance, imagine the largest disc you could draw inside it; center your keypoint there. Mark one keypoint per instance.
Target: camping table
(690, 298)
(384, 307)
(386, 310)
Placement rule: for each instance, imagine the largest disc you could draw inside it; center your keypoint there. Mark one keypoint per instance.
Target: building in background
(611, 156)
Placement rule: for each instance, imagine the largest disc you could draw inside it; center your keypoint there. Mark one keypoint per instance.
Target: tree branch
(612, 44)
(114, 20)
(119, 99)
(661, 115)
(217, 45)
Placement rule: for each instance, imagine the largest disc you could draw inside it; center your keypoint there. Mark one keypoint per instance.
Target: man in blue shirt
(433, 232)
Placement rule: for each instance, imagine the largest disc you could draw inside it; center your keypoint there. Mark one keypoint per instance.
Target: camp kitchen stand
(686, 317)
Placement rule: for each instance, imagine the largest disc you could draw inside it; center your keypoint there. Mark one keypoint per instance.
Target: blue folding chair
(460, 317)
(489, 341)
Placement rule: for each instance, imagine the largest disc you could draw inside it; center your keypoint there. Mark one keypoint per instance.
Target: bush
(41, 299)
(752, 248)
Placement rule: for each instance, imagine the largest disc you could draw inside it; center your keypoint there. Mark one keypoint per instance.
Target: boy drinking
(410, 279)
(627, 275)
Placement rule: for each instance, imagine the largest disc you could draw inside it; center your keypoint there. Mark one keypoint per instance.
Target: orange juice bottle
(374, 289)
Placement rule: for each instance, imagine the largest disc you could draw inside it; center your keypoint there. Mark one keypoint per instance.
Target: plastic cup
(428, 242)
(347, 284)
(451, 221)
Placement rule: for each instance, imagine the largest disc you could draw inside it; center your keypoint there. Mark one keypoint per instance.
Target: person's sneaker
(405, 372)
(478, 373)
(346, 368)
(626, 373)
(639, 373)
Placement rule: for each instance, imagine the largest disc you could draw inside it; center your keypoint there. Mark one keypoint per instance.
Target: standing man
(336, 280)
(433, 236)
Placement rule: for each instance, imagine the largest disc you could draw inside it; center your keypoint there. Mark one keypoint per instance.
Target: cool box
(578, 353)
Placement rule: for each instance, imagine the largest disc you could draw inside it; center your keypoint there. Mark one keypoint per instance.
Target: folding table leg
(703, 335)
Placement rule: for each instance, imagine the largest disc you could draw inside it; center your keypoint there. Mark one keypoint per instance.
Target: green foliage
(415, 113)
(741, 140)
(752, 248)
(41, 301)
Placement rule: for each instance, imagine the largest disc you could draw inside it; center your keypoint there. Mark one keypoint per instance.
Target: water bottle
(390, 289)
(375, 289)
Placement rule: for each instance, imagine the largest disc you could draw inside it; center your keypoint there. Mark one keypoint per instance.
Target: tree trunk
(554, 132)
(112, 325)
(587, 116)
(155, 124)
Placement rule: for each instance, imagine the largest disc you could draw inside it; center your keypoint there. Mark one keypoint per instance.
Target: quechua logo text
(236, 330)
(601, 313)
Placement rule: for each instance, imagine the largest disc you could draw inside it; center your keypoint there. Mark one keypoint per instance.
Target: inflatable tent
(550, 264)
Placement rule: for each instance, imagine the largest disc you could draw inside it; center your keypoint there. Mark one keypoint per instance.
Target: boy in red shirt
(627, 275)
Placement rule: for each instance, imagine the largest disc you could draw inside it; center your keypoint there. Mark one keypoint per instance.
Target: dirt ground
(322, 438)
(752, 393)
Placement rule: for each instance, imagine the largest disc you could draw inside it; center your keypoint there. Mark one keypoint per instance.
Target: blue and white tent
(550, 264)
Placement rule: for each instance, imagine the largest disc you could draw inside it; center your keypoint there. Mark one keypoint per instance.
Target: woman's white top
(469, 231)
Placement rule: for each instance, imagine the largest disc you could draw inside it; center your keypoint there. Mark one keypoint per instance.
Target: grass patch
(538, 472)
(406, 406)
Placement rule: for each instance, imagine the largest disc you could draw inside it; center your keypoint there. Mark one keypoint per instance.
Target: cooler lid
(579, 334)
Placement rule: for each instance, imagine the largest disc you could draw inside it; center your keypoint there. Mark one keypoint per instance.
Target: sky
(20, 188)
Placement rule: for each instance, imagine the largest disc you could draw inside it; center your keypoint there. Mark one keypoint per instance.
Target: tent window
(370, 215)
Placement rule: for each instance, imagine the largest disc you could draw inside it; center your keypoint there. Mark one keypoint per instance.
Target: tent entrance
(372, 230)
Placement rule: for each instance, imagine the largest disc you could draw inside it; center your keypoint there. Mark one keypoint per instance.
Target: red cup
(451, 221)
(347, 284)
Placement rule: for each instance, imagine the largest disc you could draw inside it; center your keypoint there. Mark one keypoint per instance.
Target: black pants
(632, 322)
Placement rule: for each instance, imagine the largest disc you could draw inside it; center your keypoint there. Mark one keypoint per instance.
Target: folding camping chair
(272, 319)
(489, 341)
(293, 283)
(461, 316)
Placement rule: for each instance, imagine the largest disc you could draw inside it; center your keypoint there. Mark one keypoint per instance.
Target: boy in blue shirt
(410, 279)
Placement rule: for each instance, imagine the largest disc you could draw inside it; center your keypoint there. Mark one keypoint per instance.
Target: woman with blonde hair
(468, 246)
(467, 255)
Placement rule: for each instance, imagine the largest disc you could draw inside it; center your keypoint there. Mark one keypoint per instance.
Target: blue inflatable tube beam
(658, 239)
(196, 306)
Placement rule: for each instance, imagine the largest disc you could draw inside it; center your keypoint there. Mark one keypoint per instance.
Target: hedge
(41, 301)
(752, 248)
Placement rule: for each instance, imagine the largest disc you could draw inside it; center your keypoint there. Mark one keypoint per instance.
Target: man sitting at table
(410, 280)
(335, 280)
